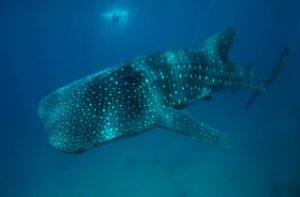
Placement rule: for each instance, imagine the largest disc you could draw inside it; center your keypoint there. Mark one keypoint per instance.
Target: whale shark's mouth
(64, 146)
(68, 127)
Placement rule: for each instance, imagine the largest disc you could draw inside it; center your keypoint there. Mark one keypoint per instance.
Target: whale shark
(144, 93)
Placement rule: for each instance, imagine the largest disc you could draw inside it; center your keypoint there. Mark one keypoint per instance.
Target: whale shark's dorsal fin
(219, 44)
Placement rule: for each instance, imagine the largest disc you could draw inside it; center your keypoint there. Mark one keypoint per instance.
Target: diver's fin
(181, 122)
(281, 63)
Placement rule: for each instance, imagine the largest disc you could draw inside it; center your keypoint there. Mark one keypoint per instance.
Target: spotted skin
(141, 94)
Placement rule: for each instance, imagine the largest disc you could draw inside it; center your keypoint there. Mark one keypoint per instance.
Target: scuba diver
(117, 15)
(115, 18)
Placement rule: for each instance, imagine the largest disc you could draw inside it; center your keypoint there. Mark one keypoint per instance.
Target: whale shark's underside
(147, 92)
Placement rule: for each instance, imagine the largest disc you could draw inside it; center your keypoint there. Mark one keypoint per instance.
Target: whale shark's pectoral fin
(180, 121)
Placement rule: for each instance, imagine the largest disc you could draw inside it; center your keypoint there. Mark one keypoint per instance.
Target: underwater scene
(150, 98)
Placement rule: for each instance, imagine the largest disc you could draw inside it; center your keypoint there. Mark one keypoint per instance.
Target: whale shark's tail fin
(274, 73)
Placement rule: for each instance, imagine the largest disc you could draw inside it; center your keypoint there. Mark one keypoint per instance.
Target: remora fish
(146, 92)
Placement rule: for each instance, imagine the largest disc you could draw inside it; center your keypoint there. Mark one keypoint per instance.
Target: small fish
(144, 93)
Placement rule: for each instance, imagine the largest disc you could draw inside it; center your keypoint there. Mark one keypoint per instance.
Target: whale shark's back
(189, 74)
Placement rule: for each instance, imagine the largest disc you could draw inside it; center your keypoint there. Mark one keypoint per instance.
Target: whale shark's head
(94, 110)
(71, 119)
(56, 118)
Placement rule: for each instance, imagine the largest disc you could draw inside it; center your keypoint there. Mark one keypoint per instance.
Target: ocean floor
(146, 168)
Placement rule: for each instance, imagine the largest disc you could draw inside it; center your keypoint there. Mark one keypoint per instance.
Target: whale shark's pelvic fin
(281, 63)
(180, 121)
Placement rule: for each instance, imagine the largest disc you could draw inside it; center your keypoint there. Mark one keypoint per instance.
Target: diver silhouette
(115, 18)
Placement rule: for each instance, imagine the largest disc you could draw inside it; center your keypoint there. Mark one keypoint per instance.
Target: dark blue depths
(45, 45)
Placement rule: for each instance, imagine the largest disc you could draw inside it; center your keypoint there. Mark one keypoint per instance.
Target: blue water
(47, 44)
